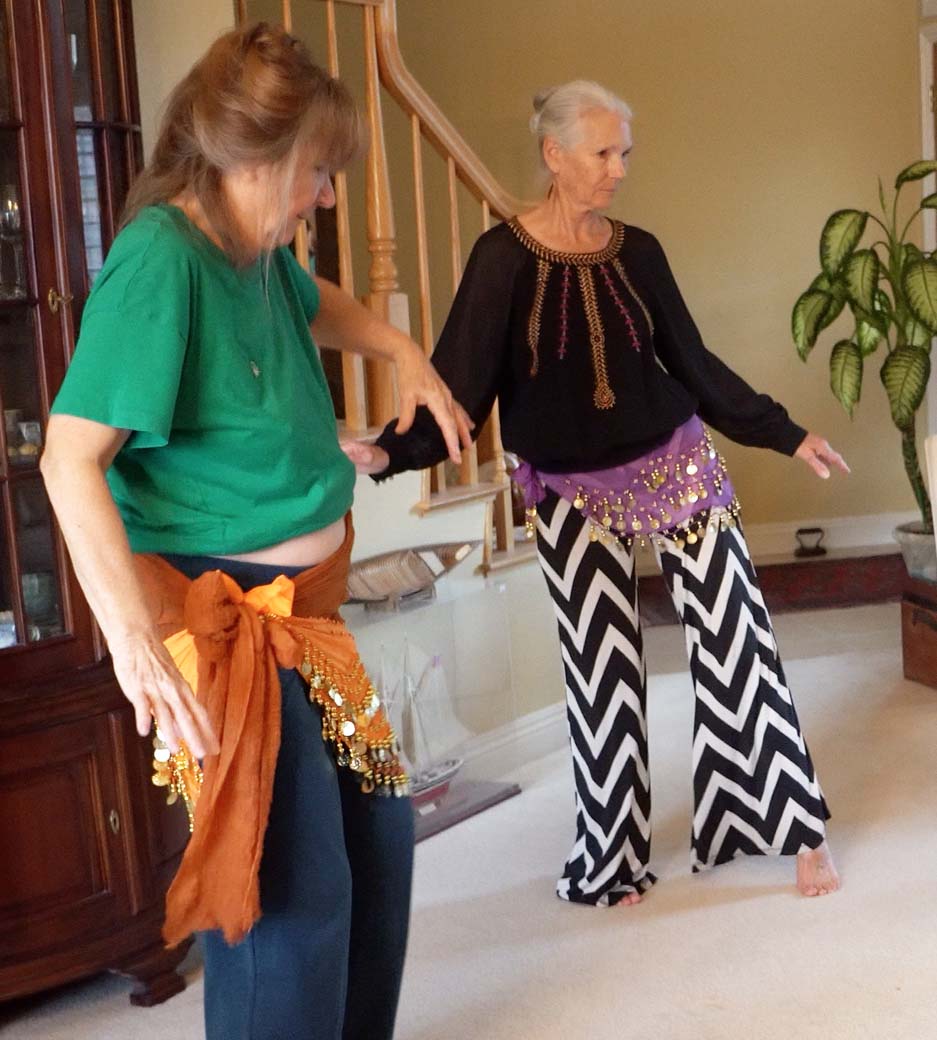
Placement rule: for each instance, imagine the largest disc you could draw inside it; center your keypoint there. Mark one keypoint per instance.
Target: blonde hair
(256, 96)
(558, 111)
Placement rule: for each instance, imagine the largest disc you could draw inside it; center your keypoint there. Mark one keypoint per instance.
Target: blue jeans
(325, 960)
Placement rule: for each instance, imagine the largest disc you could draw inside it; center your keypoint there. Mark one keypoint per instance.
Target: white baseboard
(869, 534)
(872, 531)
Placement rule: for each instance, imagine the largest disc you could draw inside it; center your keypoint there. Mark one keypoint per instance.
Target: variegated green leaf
(916, 171)
(929, 201)
(910, 252)
(861, 277)
(884, 311)
(905, 374)
(834, 286)
(839, 238)
(807, 318)
(837, 291)
(919, 282)
(875, 318)
(867, 337)
(846, 374)
(916, 334)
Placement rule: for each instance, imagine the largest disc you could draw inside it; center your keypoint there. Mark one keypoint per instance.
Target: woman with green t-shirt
(193, 462)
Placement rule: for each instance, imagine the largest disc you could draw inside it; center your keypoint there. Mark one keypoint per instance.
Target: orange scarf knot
(228, 644)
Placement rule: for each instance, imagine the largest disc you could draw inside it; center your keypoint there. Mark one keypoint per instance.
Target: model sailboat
(421, 712)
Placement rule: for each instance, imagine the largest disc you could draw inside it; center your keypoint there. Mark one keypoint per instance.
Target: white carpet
(733, 954)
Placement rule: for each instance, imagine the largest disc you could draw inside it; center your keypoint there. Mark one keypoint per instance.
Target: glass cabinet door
(31, 591)
(61, 190)
(106, 134)
(6, 108)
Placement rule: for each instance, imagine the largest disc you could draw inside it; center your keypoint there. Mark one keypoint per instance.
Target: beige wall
(754, 121)
(170, 36)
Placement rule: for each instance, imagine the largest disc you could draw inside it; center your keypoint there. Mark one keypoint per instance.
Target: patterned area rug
(805, 585)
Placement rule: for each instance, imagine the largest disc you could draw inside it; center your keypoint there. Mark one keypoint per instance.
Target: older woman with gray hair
(575, 323)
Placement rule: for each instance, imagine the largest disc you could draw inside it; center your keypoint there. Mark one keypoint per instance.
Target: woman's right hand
(368, 458)
(156, 689)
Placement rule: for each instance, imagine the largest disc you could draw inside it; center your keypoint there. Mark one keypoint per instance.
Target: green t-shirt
(234, 444)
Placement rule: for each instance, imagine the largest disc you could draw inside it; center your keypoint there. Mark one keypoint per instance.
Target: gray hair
(557, 110)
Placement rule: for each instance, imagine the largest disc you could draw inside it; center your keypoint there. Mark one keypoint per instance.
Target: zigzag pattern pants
(754, 787)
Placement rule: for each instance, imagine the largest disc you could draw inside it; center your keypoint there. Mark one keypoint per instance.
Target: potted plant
(890, 288)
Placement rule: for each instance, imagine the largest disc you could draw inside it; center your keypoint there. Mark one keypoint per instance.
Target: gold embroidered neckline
(555, 256)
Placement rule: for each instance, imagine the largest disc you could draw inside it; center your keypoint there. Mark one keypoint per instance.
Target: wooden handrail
(413, 99)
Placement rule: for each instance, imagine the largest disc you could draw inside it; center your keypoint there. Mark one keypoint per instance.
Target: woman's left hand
(819, 456)
(419, 383)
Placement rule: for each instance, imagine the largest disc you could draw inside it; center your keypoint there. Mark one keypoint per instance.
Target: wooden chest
(919, 631)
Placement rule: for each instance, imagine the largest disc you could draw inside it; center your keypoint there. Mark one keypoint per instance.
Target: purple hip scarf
(676, 491)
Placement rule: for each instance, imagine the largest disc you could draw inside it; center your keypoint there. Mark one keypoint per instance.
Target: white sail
(416, 697)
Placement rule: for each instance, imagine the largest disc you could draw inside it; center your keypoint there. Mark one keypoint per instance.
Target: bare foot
(816, 874)
(630, 899)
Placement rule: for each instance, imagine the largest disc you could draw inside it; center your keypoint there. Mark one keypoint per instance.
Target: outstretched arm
(726, 401)
(471, 356)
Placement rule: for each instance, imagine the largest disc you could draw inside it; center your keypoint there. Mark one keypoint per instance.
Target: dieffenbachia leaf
(867, 337)
(905, 374)
(916, 171)
(909, 253)
(837, 290)
(807, 318)
(916, 334)
(839, 238)
(883, 305)
(861, 277)
(919, 282)
(874, 317)
(846, 374)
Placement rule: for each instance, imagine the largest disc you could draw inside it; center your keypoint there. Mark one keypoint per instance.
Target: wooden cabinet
(919, 631)
(89, 845)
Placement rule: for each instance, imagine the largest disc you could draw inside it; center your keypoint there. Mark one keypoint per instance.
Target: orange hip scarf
(228, 644)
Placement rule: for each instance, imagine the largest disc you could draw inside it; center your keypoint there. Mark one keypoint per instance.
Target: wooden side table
(919, 631)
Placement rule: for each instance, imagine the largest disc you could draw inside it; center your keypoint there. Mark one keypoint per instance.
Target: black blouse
(593, 357)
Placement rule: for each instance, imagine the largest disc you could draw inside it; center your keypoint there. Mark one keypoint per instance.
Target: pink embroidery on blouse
(622, 309)
(564, 314)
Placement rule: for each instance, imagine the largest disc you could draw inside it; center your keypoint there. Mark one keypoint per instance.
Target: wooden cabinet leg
(154, 973)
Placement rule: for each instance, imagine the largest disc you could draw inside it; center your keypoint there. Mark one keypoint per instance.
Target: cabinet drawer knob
(113, 819)
(57, 300)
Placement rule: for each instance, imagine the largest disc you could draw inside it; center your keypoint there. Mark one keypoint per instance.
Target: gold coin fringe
(674, 481)
(688, 532)
(353, 722)
(179, 773)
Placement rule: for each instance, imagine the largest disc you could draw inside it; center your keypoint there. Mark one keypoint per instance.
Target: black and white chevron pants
(754, 787)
